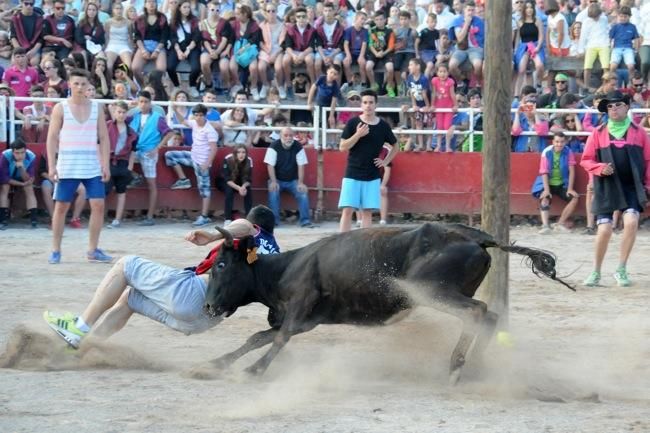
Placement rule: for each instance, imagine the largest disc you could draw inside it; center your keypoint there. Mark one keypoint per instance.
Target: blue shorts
(65, 189)
(173, 297)
(360, 194)
(625, 54)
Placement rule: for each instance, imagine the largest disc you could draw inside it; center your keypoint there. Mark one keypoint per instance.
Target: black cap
(613, 96)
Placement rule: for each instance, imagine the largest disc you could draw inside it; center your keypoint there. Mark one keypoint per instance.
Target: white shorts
(148, 164)
(173, 297)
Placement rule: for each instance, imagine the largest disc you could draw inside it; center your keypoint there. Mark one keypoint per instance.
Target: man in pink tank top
(75, 156)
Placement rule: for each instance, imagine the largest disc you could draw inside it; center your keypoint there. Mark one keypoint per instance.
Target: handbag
(245, 52)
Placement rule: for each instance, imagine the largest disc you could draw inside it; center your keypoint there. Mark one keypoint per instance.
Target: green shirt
(555, 179)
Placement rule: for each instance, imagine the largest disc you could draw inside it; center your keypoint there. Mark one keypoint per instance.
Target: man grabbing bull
(173, 297)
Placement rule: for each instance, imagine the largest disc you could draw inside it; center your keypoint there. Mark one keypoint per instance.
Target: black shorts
(380, 63)
(557, 191)
(631, 199)
(401, 60)
(120, 177)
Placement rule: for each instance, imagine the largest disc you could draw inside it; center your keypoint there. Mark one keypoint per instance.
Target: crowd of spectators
(324, 53)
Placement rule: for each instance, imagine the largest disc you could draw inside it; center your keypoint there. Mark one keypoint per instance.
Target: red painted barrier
(420, 183)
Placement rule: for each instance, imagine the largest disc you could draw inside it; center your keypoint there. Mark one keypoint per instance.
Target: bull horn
(226, 235)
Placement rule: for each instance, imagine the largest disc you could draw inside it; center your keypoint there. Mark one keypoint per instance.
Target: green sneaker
(65, 327)
(390, 91)
(622, 278)
(375, 87)
(592, 280)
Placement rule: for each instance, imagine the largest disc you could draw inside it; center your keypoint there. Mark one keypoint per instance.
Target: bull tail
(541, 262)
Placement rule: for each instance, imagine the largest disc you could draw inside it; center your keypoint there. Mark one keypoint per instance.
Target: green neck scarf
(618, 128)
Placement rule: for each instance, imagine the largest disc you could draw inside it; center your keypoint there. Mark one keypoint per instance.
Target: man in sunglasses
(58, 31)
(27, 31)
(617, 154)
(552, 99)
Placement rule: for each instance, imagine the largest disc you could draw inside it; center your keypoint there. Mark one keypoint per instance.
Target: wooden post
(495, 211)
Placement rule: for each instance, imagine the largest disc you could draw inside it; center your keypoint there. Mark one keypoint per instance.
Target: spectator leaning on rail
(618, 155)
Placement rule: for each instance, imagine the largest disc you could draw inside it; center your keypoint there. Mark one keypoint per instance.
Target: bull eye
(221, 265)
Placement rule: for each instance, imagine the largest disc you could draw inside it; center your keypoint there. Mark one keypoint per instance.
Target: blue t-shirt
(623, 35)
(325, 92)
(417, 88)
(355, 38)
(266, 243)
(213, 115)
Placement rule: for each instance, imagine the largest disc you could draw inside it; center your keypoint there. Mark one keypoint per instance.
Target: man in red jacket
(617, 154)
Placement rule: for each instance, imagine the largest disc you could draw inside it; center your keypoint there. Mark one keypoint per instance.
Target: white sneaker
(255, 94)
(382, 222)
(545, 230)
(201, 221)
(194, 93)
(116, 224)
(283, 92)
(264, 91)
(236, 88)
(561, 228)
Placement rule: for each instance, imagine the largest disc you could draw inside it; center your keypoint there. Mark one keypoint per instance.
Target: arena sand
(580, 363)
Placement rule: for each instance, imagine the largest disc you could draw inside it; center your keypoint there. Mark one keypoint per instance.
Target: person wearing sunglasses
(26, 31)
(58, 32)
(552, 99)
(617, 155)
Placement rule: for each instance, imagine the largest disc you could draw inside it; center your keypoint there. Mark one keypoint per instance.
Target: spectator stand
(422, 182)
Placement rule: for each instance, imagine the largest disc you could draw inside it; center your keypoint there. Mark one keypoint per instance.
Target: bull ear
(228, 241)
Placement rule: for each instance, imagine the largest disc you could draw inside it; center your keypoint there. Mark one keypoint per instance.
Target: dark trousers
(193, 60)
(230, 197)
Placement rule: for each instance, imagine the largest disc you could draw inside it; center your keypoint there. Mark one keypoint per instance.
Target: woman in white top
(271, 51)
(557, 33)
(119, 42)
(234, 119)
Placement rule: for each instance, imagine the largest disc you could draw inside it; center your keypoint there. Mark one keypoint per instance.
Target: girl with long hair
(151, 33)
(119, 40)
(237, 175)
(529, 45)
(185, 38)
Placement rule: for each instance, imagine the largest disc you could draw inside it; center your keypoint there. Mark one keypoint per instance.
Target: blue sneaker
(98, 256)
(55, 258)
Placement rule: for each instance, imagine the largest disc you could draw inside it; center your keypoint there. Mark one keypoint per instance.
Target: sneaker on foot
(98, 256)
(65, 326)
(116, 224)
(589, 231)
(561, 228)
(375, 87)
(263, 91)
(55, 258)
(390, 91)
(308, 225)
(592, 280)
(182, 184)
(3, 226)
(201, 221)
(621, 277)
(546, 230)
(194, 93)
(147, 222)
(136, 180)
(282, 91)
(34, 224)
(75, 223)
(236, 88)
(255, 94)
(382, 222)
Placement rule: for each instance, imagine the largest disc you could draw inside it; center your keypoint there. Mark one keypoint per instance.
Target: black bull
(359, 278)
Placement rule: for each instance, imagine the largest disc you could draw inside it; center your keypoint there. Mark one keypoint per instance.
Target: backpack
(244, 52)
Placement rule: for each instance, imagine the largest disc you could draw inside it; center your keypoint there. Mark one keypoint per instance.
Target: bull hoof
(201, 372)
(454, 377)
(254, 371)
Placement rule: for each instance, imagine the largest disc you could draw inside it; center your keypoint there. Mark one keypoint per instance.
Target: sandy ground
(580, 362)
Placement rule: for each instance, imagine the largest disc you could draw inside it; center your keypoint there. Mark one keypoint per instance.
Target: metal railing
(319, 130)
